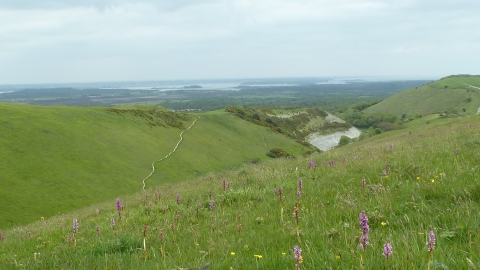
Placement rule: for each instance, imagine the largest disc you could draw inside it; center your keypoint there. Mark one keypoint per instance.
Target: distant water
(207, 84)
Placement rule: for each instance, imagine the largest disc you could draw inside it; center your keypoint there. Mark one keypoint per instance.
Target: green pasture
(57, 159)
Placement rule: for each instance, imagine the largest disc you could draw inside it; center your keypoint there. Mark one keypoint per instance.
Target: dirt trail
(174, 149)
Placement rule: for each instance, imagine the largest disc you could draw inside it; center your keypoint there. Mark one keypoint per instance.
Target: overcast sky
(57, 41)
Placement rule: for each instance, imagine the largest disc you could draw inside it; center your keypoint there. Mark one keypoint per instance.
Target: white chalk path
(174, 149)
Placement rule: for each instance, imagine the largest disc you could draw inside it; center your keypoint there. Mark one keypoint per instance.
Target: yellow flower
(42, 218)
(421, 233)
(232, 253)
(337, 257)
(257, 256)
(418, 177)
(433, 180)
(283, 253)
(301, 259)
(383, 223)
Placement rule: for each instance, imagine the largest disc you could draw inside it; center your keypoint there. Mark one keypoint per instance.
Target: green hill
(413, 185)
(457, 94)
(57, 159)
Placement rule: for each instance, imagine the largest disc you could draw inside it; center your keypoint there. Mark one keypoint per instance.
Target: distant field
(57, 159)
(273, 93)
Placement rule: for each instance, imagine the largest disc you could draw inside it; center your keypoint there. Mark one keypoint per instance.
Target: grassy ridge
(417, 180)
(56, 159)
(452, 94)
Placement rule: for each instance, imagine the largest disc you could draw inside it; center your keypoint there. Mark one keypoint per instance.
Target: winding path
(174, 149)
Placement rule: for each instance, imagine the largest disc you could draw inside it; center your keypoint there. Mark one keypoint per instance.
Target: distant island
(192, 86)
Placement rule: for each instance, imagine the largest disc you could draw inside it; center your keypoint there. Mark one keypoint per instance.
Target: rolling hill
(57, 159)
(414, 189)
(457, 94)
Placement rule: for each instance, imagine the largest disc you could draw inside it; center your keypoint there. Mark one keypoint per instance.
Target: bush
(277, 153)
(344, 140)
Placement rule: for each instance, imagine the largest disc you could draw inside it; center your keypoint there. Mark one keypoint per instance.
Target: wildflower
(312, 164)
(456, 152)
(280, 193)
(119, 206)
(75, 226)
(387, 250)
(300, 183)
(431, 241)
(258, 256)
(160, 235)
(365, 229)
(418, 178)
(97, 229)
(299, 194)
(275, 190)
(232, 253)
(239, 228)
(212, 205)
(297, 252)
(177, 198)
(295, 214)
(433, 180)
(112, 222)
(283, 253)
(42, 218)
(363, 182)
(337, 257)
(384, 172)
(391, 147)
(364, 222)
(145, 229)
(224, 184)
(383, 223)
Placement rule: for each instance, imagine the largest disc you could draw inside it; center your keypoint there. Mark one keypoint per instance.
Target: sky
(66, 41)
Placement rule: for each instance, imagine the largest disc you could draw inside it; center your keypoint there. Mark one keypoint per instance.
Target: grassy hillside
(409, 183)
(57, 159)
(458, 94)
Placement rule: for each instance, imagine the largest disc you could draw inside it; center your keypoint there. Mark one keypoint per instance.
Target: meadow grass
(57, 159)
(416, 180)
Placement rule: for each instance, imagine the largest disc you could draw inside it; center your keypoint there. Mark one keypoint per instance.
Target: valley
(245, 185)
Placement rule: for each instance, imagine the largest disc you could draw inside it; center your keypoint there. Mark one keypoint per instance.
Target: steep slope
(57, 159)
(453, 94)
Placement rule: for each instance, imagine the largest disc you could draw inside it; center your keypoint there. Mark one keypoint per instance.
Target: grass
(451, 94)
(429, 184)
(57, 159)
